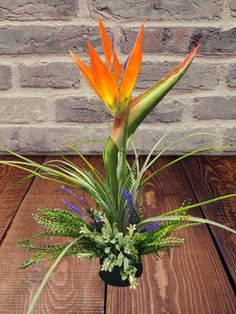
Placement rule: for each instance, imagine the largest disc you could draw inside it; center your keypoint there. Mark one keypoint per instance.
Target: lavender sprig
(151, 227)
(132, 211)
(73, 208)
(78, 197)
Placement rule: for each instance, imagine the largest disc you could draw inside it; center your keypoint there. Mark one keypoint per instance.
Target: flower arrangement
(115, 230)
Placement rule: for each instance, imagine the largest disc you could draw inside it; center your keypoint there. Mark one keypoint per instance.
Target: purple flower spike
(151, 227)
(69, 191)
(132, 213)
(73, 208)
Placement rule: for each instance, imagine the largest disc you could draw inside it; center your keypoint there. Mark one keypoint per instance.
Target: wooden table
(198, 278)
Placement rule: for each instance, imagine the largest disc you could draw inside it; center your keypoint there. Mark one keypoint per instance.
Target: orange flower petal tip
(104, 78)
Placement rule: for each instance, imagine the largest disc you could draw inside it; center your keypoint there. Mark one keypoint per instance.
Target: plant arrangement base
(113, 278)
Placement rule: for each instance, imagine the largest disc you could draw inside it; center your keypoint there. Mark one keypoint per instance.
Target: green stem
(110, 156)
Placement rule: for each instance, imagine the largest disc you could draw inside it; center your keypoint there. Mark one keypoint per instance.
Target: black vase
(113, 277)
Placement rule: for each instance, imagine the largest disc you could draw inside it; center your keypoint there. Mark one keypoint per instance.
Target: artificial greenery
(101, 239)
(115, 229)
(118, 238)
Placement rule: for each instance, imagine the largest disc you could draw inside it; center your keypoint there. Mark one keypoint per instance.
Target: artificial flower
(104, 78)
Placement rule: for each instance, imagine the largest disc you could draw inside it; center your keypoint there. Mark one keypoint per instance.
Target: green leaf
(110, 157)
(48, 274)
(187, 218)
(126, 263)
(196, 151)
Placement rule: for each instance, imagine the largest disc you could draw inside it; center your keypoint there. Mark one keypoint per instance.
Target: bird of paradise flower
(128, 114)
(103, 78)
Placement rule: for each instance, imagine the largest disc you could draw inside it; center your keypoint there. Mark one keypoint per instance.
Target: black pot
(113, 278)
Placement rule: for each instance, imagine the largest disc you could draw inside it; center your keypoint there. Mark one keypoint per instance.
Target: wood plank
(74, 287)
(12, 192)
(190, 279)
(212, 177)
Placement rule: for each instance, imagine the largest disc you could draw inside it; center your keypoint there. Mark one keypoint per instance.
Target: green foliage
(159, 239)
(98, 239)
(119, 250)
(60, 222)
(47, 252)
(106, 232)
(33, 260)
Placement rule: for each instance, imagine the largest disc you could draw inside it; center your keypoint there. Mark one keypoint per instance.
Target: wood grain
(12, 192)
(190, 279)
(74, 286)
(212, 177)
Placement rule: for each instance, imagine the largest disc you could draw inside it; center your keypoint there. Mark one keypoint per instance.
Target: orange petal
(103, 79)
(86, 72)
(132, 69)
(106, 44)
(116, 67)
(108, 50)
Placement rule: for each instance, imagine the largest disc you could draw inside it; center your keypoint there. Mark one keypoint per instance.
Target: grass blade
(186, 218)
(185, 156)
(45, 279)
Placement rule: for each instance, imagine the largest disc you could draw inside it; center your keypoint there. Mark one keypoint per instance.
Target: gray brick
(196, 142)
(213, 41)
(159, 39)
(47, 39)
(91, 110)
(22, 110)
(147, 136)
(167, 111)
(198, 76)
(5, 77)
(9, 137)
(54, 74)
(230, 138)
(232, 5)
(81, 109)
(188, 9)
(231, 76)
(46, 139)
(158, 9)
(90, 138)
(215, 108)
(37, 9)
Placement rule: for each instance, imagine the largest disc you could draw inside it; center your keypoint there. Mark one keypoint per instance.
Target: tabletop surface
(199, 277)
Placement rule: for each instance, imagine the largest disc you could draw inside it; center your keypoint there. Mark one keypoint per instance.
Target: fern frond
(52, 252)
(60, 222)
(33, 260)
(162, 245)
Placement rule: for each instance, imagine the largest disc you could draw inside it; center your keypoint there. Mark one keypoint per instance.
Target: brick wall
(45, 103)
